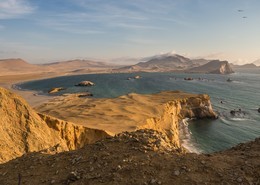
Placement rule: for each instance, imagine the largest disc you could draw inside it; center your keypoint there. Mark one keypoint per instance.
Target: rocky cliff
(23, 130)
(174, 111)
(162, 111)
(213, 67)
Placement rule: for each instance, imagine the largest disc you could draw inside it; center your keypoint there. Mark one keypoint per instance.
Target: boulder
(189, 78)
(85, 83)
(258, 110)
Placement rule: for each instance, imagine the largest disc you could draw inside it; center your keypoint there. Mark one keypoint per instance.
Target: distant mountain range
(257, 62)
(159, 63)
(245, 66)
(178, 63)
(19, 66)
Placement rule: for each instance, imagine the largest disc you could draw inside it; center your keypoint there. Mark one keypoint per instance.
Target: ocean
(201, 136)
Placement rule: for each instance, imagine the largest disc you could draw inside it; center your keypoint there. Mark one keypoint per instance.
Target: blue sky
(51, 30)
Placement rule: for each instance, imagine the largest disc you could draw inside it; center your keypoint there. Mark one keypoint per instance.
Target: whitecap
(185, 137)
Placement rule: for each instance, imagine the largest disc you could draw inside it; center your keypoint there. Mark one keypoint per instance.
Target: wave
(186, 137)
(240, 119)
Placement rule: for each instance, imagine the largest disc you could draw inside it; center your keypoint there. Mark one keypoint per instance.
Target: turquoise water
(199, 135)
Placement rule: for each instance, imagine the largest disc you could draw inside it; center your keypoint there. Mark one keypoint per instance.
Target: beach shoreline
(32, 97)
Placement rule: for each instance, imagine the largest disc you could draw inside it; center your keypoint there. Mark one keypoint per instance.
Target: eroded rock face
(22, 130)
(175, 111)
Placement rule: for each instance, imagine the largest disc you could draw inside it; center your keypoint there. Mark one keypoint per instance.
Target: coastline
(37, 101)
(9, 82)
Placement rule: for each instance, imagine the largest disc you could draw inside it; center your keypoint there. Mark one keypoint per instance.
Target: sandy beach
(8, 82)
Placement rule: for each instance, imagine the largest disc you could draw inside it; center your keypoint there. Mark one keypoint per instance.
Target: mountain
(81, 66)
(245, 66)
(213, 67)
(161, 64)
(178, 63)
(257, 62)
(18, 66)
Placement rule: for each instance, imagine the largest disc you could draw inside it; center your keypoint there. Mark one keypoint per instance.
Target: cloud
(10, 9)
(2, 27)
(65, 25)
(137, 27)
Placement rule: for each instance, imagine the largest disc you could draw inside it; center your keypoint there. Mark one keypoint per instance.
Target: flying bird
(240, 10)
(244, 17)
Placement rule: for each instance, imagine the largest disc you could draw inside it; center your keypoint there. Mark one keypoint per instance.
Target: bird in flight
(240, 10)
(244, 17)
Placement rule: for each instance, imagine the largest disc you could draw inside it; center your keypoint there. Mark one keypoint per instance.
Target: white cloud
(14, 8)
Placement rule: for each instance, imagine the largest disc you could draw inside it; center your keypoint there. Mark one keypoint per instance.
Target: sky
(42, 31)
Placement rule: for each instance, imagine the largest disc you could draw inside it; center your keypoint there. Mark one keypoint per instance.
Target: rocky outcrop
(175, 111)
(23, 130)
(213, 67)
(85, 83)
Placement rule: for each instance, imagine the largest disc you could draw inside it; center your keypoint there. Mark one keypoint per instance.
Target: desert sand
(125, 113)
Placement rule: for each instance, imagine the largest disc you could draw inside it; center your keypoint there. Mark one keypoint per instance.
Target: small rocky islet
(85, 83)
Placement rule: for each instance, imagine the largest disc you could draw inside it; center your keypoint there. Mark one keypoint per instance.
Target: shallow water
(201, 135)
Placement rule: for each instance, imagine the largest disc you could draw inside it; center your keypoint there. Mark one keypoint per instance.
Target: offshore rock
(85, 83)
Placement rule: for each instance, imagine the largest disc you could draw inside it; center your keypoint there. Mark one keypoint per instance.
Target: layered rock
(23, 130)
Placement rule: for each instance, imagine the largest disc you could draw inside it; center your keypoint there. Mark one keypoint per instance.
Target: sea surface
(205, 136)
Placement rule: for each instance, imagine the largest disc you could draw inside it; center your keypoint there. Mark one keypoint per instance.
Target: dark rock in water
(238, 113)
(229, 80)
(233, 112)
(85, 83)
(258, 110)
(189, 78)
(82, 95)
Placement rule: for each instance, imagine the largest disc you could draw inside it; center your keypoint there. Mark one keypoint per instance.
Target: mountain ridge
(178, 63)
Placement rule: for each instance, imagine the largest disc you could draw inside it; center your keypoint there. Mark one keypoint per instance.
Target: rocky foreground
(140, 157)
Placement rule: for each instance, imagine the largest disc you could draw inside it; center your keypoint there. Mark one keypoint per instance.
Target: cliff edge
(23, 130)
(161, 111)
(213, 67)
